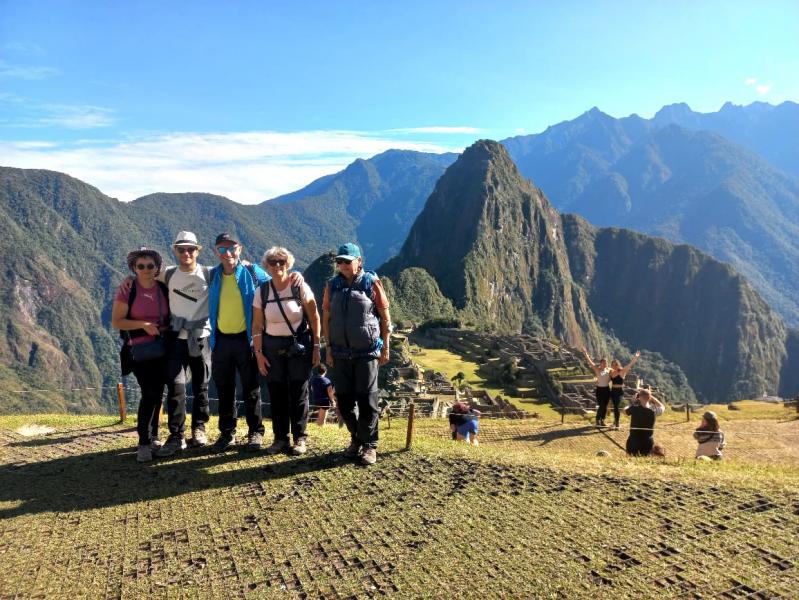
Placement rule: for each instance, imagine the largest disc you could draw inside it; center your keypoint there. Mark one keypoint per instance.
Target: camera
(296, 349)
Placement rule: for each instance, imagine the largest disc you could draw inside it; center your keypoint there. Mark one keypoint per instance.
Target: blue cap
(349, 251)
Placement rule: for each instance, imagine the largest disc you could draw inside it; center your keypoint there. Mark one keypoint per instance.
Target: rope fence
(507, 426)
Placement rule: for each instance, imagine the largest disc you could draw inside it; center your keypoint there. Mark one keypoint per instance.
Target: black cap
(225, 237)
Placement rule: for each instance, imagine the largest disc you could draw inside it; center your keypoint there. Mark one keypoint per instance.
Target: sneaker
(277, 446)
(144, 454)
(254, 442)
(155, 445)
(353, 450)
(369, 456)
(615, 427)
(223, 442)
(299, 448)
(173, 445)
(198, 438)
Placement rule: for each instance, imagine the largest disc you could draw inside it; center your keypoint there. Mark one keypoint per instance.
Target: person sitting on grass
(642, 423)
(710, 437)
(463, 423)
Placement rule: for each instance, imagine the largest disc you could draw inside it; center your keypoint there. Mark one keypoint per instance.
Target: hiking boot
(353, 450)
(299, 448)
(277, 446)
(198, 438)
(173, 445)
(255, 441)
(144, 454)
(223, 442)
(369, 456)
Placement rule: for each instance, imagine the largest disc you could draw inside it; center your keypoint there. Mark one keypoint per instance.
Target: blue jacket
(247, 287)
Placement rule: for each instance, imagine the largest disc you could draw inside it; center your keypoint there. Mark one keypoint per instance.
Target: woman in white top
(286, 319)
(602, 373)
(709, 436)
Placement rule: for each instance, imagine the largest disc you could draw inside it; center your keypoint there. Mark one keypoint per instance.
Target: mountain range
(65, 242)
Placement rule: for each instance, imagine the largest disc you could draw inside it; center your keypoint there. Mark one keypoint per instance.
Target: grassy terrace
(532, 512)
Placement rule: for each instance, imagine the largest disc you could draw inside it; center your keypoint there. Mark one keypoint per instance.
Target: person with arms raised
(617, 376)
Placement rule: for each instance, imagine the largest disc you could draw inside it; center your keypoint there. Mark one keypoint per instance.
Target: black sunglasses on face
(275, 262)
(343, 261)
(183, 249)
(148, 266)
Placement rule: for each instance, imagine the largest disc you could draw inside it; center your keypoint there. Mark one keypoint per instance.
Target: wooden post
(123, 411)
(562, 414)
(409, 436)
(687, 412)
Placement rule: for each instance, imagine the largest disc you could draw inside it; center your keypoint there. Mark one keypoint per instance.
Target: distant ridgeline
(508, 261)
(473, 239)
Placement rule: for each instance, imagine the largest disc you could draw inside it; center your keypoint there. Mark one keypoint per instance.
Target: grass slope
(536, 516)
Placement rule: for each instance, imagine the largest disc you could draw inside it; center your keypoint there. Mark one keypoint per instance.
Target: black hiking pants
(602, 399)
(178, 362)
(151, 378)
(355, 380)
(287, 380)
(232, 354)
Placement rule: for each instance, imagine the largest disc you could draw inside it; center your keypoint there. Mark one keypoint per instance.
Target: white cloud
(763, 89)
(750, 81)
(439, 129)
(247, 167)
(27, 113)
(25, 48)
(26, 72)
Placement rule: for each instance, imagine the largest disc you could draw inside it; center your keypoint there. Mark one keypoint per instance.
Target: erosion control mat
(96, 524)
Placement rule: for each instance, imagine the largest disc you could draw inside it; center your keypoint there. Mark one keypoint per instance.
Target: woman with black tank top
(602, 387)
(642, 423)
(617, 376)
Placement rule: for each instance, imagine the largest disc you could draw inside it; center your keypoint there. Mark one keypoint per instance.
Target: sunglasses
(343, 261)
(275, 262)
(147, 266)
(226, 249)
(185, 249)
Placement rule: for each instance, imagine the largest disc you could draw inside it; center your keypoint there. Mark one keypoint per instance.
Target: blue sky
(254, 99)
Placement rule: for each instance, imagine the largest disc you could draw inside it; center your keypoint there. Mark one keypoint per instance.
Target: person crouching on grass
(710, 437)
(642, 423)
(463, 423)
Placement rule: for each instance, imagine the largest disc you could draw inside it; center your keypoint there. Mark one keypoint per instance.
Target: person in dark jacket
(356, 325)
(141, 311)
(642, 423)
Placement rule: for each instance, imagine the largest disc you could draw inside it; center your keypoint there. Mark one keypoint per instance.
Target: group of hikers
(643, 411)
(239, 318)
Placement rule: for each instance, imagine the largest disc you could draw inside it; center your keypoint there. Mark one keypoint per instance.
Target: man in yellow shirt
(233, 287)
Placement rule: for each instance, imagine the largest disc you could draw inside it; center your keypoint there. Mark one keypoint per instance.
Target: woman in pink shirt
(141, 314)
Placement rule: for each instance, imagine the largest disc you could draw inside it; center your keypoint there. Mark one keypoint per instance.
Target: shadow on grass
(552, 435)
(72, 436)
(113, 477)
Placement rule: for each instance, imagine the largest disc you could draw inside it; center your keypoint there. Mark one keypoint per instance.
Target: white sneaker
(144, 454)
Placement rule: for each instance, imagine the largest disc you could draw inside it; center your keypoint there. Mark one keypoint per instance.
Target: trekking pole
(123, 411)
(409, 436)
